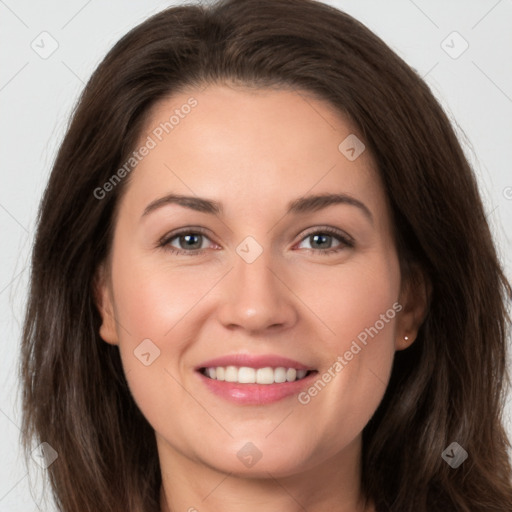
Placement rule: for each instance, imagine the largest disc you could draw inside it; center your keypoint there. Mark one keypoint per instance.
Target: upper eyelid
(331, 231)
(185, 231)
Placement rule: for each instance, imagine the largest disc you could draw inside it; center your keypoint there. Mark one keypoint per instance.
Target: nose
(256, 296)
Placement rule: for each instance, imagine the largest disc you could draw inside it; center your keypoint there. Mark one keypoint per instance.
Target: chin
(257, 460)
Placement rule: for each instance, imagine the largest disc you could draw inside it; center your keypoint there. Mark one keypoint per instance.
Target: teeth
(301, 374)
(265, 376)
(291, 374)
(231, 374)
(246, 375)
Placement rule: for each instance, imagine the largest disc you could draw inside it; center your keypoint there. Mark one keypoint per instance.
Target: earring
(406, 338)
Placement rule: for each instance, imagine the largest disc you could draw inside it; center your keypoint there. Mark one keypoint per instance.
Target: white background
(37, 95)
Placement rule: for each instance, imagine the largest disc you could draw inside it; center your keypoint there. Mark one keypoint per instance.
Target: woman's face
(265, 277)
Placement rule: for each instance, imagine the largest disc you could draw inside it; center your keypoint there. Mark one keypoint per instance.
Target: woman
(184, 350)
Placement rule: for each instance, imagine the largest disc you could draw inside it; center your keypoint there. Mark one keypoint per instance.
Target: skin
(254, 151)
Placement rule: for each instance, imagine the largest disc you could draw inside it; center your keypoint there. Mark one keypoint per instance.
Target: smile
(255, 386)
(247, 375)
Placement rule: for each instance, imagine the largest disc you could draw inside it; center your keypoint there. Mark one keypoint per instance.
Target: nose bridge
(254, 272)
(256, 298)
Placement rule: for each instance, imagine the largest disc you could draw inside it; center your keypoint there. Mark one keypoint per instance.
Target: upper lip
(254, 361)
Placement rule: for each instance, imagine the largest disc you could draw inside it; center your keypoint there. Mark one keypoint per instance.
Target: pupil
(322, 237)
(189, 240)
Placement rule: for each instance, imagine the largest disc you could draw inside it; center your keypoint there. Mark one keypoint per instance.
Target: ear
(105, 304)
(415, 299)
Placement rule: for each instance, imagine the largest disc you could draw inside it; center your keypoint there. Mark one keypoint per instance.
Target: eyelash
(345, 241)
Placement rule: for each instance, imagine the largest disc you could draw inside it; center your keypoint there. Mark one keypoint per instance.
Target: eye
(321, 240)
(185, 242)
(191, 242)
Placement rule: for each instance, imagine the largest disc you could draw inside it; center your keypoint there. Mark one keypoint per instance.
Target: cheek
(159, 314)
(359, 305)
(152, 299)
(151, 314)
(355, 302)
(367, 315)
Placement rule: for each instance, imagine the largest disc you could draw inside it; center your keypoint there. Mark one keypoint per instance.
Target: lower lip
(255, 394)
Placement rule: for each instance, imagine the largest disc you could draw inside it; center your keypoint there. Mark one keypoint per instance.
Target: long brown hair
(450, 385)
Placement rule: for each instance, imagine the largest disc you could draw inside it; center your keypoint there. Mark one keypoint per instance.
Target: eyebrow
(300, 205)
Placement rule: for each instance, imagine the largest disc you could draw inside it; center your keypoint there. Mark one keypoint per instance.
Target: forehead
(253, 148)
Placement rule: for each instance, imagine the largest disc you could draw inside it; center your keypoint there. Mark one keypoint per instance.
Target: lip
(254, 361)
(255, 394)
